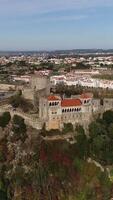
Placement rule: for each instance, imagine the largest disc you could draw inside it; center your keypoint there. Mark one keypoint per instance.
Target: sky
(56, 24)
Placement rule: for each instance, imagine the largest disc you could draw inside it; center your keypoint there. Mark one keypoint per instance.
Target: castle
(55, 111)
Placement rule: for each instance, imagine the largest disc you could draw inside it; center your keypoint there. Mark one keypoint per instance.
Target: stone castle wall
(82, 118)
(39, 86)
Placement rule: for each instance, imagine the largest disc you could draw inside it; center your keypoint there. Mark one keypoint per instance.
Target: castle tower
(40, 86)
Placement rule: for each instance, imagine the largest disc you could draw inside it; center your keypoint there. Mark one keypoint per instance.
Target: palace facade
(55, 111)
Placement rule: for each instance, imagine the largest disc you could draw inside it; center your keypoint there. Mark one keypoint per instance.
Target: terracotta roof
(86, 96)
(53, 98)
(70, 102)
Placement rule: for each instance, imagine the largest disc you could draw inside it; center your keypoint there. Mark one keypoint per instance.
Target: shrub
(68, 127)
(19, 128)
(5, 119)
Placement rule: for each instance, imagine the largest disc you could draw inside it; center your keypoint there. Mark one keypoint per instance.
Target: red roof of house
(70, 102)
(53, 98)
(86, 96)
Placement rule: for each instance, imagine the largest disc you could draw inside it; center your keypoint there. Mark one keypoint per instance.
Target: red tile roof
(70, 102)
(53, 98)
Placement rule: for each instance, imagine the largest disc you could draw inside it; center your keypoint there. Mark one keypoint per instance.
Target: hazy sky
(60, 24)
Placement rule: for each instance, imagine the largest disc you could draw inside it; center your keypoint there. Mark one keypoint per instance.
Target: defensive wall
(29, 119)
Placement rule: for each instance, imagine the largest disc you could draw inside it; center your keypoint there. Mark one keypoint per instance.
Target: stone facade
(82, 109)
(39, 86)
(102, 105)
(39, 83)
(55, 111)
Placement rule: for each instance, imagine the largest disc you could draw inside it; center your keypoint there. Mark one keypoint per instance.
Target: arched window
(53, 103)
(63, 110)
(101, 102)
(50, 104)
(85, 101)
(75, 109)
(67, 110)
(70, 110)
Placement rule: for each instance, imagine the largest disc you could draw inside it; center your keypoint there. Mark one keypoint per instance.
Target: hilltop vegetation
(104, 76)
(32, 168)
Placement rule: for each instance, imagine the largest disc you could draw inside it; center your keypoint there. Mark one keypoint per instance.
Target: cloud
(59, 18)
(26, 7)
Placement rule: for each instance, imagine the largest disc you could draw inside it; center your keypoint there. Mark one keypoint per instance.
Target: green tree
(100, 141)
(3, 195)
(95, 129)
(5, 119)
(82, 142)
(108, 117)
(68, 127)
(2, 156)
(15, 101)
(19, 127)
(80, 130)
(60, 88)
(99, 144)
(110, 131)
(81, 65)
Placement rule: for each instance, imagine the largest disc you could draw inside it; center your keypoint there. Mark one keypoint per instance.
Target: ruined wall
(107, 104)
(28, 93)
(7, 87)
(38, 83)
(100, 106)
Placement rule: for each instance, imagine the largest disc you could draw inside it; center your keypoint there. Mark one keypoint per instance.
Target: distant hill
(58, 52)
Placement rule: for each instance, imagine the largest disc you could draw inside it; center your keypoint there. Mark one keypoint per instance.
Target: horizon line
(49, 50)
